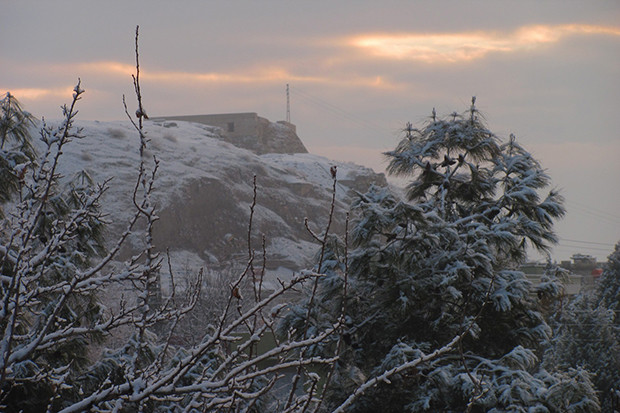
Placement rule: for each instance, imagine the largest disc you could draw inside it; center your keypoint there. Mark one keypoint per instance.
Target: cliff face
(247, 130)
(278, 137)
(204, 189)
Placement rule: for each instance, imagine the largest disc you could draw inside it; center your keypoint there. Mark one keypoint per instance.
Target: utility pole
(288, 105)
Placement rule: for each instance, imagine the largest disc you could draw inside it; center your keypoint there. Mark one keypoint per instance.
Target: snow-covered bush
(439, 272)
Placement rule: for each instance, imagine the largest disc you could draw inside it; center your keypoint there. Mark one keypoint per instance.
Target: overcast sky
(547, 71)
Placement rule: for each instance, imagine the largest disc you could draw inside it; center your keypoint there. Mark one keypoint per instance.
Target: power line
(590, 207)
(588, 246)
(583, 211)
(594, 213)
(570, 248)
(605, 244)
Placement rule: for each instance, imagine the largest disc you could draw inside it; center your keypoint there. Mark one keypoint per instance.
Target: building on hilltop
(248, 131)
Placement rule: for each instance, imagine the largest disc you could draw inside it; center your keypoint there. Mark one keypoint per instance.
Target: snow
(110, 149)
(291, 187)
(305, 167)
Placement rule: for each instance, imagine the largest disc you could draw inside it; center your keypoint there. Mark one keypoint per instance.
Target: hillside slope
(204, 190)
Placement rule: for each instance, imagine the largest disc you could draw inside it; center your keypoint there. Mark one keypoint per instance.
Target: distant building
(585, 266)
(582, 272)
(581, 264)
(248, 131)
(534, 272)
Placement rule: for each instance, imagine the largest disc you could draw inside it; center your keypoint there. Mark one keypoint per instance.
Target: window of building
(231, 126)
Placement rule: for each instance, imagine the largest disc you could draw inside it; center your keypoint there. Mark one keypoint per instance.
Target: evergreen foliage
(16, 149)
(50, 237)
(609, 288)
(587, 335)
(443, 263)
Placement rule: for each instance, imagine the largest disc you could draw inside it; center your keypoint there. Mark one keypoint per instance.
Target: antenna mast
(288, 105)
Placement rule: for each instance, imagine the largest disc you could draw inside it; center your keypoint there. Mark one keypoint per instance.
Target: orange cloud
(105, 67)
(95, 72)
(40, 93)
(255, 75)
(467, 46)
(264, 74)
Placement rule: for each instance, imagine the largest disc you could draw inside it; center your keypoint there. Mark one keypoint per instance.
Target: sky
(546, 71)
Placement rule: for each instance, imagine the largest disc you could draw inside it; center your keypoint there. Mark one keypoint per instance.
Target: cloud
(468, 46)
(252, 75)
(263, 74)
(30, 94)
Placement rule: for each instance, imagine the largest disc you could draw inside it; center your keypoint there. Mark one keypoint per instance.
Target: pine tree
(608, 290)
(587, 335)
(60, 221)
(16, 149)
(608, 295)
(441, 264)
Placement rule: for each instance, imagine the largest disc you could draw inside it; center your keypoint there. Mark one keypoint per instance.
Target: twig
(343, 314)
(323, 242)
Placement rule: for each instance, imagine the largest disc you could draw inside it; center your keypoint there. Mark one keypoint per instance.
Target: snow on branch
(385, 376)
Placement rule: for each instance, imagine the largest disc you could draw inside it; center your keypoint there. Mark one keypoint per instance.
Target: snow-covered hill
(204, 190)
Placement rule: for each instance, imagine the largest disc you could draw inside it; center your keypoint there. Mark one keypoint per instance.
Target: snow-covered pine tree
(16, 149)
(608, 290)
(585, 338)
(51, 233)
(587, 335)
(421, 272)
(608, 294)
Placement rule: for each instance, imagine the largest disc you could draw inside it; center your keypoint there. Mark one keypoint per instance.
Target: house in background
(586, 267)
(582, 272)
